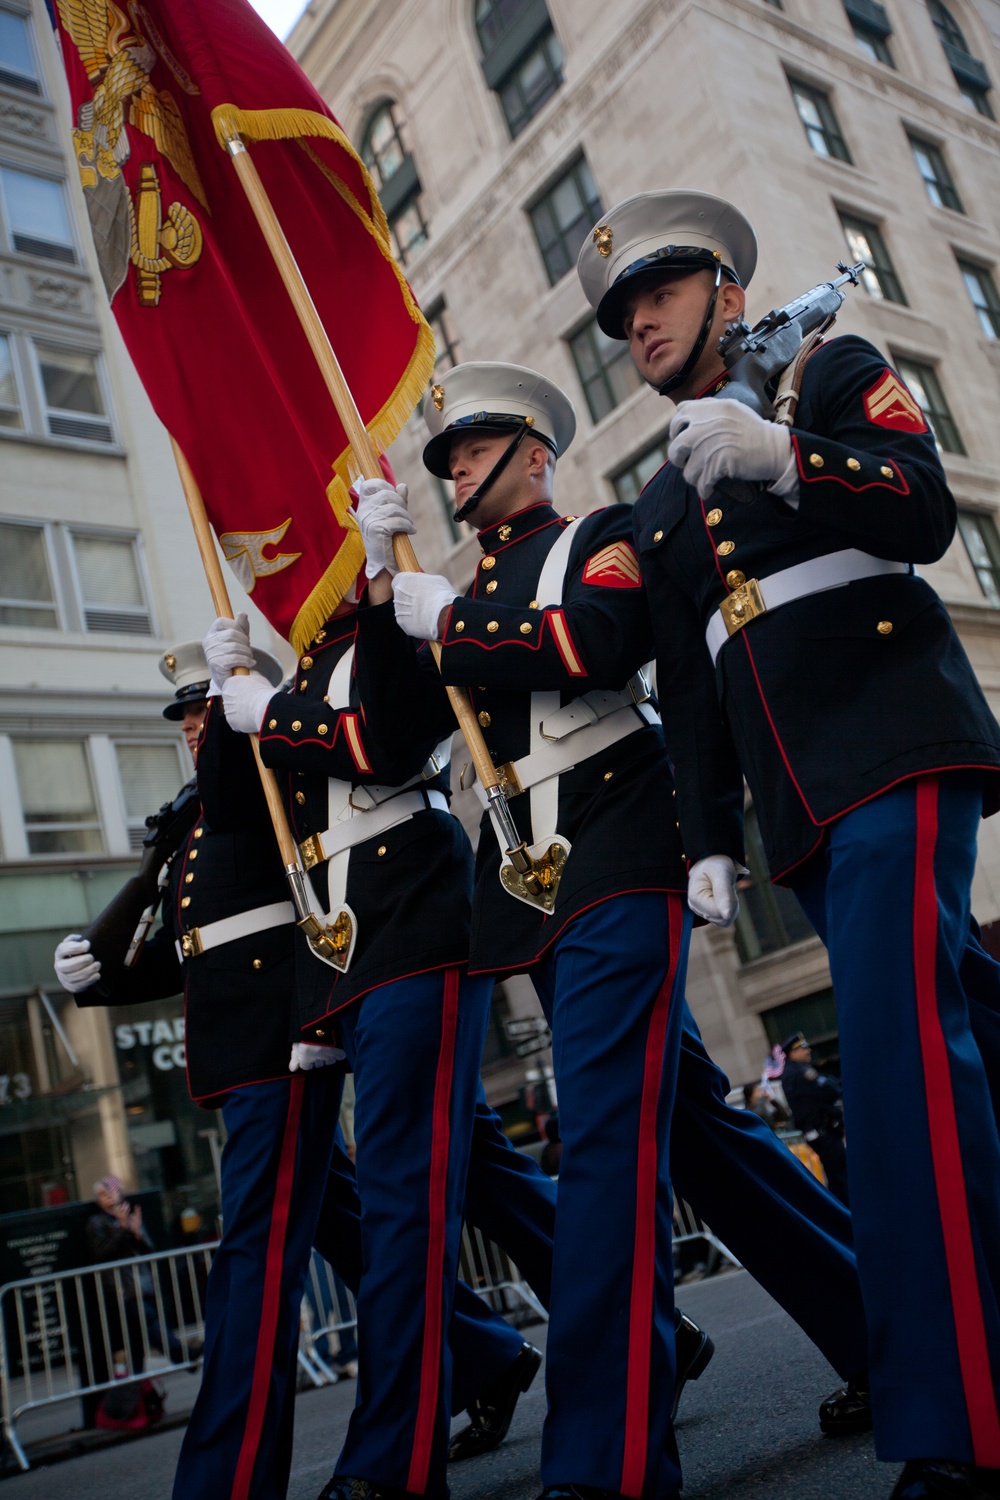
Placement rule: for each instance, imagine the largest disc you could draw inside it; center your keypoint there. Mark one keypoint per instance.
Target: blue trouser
(238, 1443)
(612, 988)
(415, 1047)
(890, 896)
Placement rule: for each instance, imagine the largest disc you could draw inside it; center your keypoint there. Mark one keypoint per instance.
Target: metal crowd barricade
(76, 1333)
(687, 1227)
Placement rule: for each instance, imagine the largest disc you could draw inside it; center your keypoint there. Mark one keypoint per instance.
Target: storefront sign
(166, 1038)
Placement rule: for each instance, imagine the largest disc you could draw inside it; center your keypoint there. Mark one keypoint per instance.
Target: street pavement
(747, 1429)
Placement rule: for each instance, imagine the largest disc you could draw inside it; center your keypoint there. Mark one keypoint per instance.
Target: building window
(970, 74)
(923, 382)
(871, 28)
(74, 401)
(386, 154)
(109, 583)
(770, 917)
(819, 121)
(57, 797)
(26, 593)
(522, 59)
(865, 242)
(982, 289)
(36, 216)
(629, 483)
(605, 368)
(982, 542)
(562, 218)
(10, 403)
(933, 169)
(149, 776)
(18, 69)
(446, 354)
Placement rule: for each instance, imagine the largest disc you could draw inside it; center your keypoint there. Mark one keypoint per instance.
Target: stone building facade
(499, 129)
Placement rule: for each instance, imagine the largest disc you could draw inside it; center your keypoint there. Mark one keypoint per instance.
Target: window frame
(969, 519)
(77, 261)
(942, 180)
(138, 741)
(37, 341)
(61, 856)
(403, 190)
(619, 354)
(829, 128)
(569, 169)
(921, 368)
(990, 311)
(879, 268)
(531, 32)
(71, 532)
(57, 605)
(38, 91)
(15, 363)
(627, 469)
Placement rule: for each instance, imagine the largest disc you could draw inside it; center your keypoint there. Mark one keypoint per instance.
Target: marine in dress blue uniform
(559, 652)
(844, 695)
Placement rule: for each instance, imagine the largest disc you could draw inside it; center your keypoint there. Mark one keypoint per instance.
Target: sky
(280, 15)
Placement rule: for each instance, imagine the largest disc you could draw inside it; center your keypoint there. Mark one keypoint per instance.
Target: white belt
(244, 924)
(758, 595)
(367, 823)
(563, 753)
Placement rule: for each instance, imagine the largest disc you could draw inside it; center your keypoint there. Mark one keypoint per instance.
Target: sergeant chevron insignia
(889, 404)
(614, 567)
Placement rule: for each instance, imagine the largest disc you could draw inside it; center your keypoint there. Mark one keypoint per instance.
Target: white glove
(418, 599)
(712, 887)
(227, 645)
(382, 513)
(245, 701)
(75, 966)
(306, 1055)
(718, 439)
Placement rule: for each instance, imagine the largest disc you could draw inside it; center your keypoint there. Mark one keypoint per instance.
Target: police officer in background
(795, 644)
(546, 638)
(816, 1102)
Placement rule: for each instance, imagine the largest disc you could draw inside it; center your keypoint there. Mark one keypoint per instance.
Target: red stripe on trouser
(946, 1151)
(271, 1298)
(430, 1362)
(640, 1330)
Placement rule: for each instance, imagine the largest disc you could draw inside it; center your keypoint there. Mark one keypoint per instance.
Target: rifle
(756, 357)
(117, 936)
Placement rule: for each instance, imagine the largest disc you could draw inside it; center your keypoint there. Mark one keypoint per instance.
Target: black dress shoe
(492, 1412)
(937, 1479)
(345, 1487)
(694, 1350)
(848, 1409)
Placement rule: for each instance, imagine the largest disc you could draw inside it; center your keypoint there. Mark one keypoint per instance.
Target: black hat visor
(185, 698)
(670, 258)
(437, 453)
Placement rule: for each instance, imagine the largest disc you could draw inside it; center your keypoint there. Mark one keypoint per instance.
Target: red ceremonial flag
(155, 89)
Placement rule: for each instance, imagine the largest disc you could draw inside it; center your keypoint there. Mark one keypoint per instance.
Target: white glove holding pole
(418, 599)
(75, 966)
(245, 701)
(718, 439)
(227, 645)
(307, 1055)
(382, 514)
(712, 889)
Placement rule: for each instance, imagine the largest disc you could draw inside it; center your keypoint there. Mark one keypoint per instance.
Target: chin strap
(465, 511)
(673, 381)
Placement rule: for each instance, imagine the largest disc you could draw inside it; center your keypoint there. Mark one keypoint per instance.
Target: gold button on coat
(608, 775)
(491, 586)
(816, 459)
(258, 963)
(714, 517)
(884, 627)
(736, 579)
(199, 832)
(306, 663)
(272, 723)
(492, 626)
(324, 729)
(852, 463)
(303, 684)
(527, 628)
(886, 471)
(484, 718)
(189, 877)
(185, 901)
(489, 562)
(657, 536)
(504, 533)
(193, 854)
(300, 798)
(296, 725)
(459, 626)
(725, 548)
(382, 849)
(534, 604)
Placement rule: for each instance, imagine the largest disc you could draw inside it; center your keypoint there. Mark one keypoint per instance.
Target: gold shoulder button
(852, 463)
(324, 729)
(492, 626)
(459, 626)
(657, 536)
(527, 628)
(887, 472)
(272, 723)
(816, 459)
(884, 627)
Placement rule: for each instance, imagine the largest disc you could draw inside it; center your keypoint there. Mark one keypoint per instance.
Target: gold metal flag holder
(331, 942)
(537, 878)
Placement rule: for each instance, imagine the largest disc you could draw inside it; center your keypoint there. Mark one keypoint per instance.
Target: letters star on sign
(244, 552)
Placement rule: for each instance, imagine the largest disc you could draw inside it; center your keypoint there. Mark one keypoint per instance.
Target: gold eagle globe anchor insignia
(119, 61)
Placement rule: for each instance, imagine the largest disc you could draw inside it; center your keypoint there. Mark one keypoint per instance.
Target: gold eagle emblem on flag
(244, 552)
(614, 567)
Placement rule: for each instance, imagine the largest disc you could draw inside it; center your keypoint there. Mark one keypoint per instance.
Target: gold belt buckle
(311, 852)
(510, 783)
(191, 943)
(742, 605)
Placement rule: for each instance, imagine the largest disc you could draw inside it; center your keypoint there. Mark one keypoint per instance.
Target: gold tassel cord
(329, 592)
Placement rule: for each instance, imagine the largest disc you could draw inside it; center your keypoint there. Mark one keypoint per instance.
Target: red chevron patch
(614, 567)
(889, 404)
